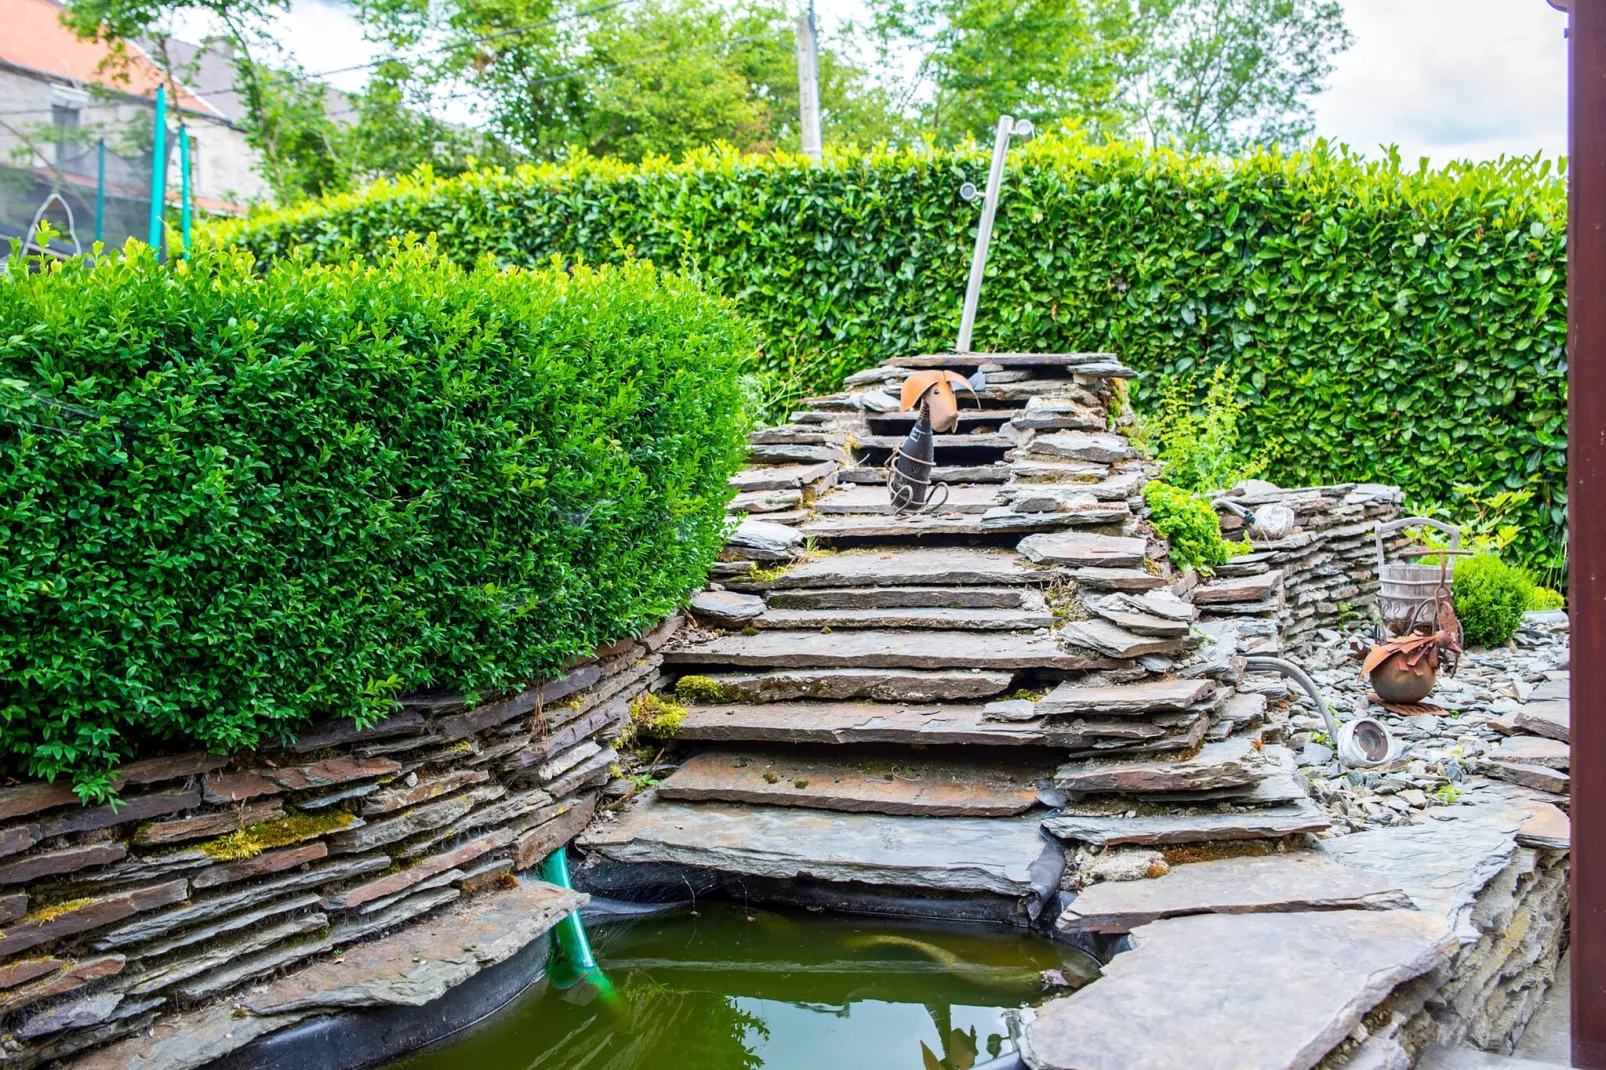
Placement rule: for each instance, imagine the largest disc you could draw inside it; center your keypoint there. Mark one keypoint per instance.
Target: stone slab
(1099, 447)
(972, 361)
(133, 808)
(36, 929)
(1193, 826)
(1533, 750)
(65, 860)
(890, 649)
(996, 472)
(780, 477)
(904, 598)
(1141, 624)
(1117, 579)
(885, 685)
(995, 521)
(945, 567)
(1148, 696)
(1255, 588)
(1559, 689)
(1255, 884)
(863, 722)
(1080, 550)
(1530, 776)
(1229, 763)
(725, 608)
(1230, 992)
(914, 786)
(861, 498)
(948, 854)
(1116, 642)
(207, 825)
(1550, 719)
(979, 620)
(1547, 828)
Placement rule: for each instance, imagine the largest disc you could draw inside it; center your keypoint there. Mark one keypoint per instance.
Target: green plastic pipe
(572, 942)
(184, 186)
(159, 168)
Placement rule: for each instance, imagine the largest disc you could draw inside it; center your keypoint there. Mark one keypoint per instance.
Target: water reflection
(739, 989)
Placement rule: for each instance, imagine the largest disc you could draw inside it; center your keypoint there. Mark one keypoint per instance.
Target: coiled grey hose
(1298, 675)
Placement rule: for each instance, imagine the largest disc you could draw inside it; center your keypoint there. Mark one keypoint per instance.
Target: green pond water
(729, 988)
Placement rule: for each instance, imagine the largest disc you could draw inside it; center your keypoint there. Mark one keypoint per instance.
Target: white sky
(1446, 79)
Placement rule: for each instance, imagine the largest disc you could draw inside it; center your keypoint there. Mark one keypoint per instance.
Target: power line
(482, 39)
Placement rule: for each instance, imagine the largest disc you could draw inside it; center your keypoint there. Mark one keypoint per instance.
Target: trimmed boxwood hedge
(1384, 323)
(232, 500)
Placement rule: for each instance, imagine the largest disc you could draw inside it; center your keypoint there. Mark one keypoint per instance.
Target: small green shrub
(1490, 598)
(1197, 441)
(1544, 599)
(1189, 524)
(234, 500)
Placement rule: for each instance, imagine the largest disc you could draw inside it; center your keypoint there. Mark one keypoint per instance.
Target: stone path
(1016, 709)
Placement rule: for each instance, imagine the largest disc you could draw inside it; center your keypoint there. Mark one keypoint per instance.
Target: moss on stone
(56, 910)
(254, 839)
(652, 718)
(702, 689)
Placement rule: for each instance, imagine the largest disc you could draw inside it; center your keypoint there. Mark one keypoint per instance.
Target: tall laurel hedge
(233, 500)
(1385, 323)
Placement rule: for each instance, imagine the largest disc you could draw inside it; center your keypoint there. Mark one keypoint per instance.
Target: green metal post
(159, 169)
(184, 185)
(571, 934)
(100, 191)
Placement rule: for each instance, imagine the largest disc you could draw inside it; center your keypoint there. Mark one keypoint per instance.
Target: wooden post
(1586, 503)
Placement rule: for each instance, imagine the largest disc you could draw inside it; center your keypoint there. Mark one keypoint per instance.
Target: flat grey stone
(1255, 588)
(883, 685)
(185, 1041)
(1442, 1058)
(421, 963)
(1258, 884)
(1530, 776)
(784, 477)
(861, 499)
(1136, 622)
(998, 520)
(766, 541)
(1216, 765)
(889, 649)
(725, 607)
(914, 786)
(1026, 619)
(1442, 864)
(1533, 750)
(1081, 550)
(1117, 579)
(1190, 827)
(1097, 446)
(859, 722)
(1556, 690)
(1145, 697)
(1106, 638)
(958, 854)
(899, 568)
(905, 598)
(765, 501)
(1229, 992)
(1550, 719)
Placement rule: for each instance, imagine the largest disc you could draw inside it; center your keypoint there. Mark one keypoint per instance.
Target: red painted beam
(1586, 499)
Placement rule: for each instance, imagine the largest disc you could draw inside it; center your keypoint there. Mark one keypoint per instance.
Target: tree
(1220, 75)
(1201, 75)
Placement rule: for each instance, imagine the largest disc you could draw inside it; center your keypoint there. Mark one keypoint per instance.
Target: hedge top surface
(233, 500)
(1385, 323)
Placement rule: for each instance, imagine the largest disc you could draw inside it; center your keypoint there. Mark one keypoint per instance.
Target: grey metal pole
(984, 233)
(808, 85)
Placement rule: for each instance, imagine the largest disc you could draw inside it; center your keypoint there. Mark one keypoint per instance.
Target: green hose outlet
(575, 960)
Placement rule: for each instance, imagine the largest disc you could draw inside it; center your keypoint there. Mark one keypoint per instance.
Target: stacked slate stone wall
(214, 872)
(1321, 575)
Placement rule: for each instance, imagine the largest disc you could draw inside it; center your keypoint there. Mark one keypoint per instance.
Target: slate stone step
(944, 443)
(905, 598)
(969, 362)
(995, 856)
(1533, 750)
(952, 474)
(894, 567)
(1229, 992)
(1117, 579)
(890, 649)
(999, 520)
(976, 620)
(1246, 885)
(970, 418)
(1148, 696)
(912, 786)
(864, 722)
(781, 477)
(1116, 642)
(850, 500)
(1239, 589)
(1229, 763)
(1190, 826)
(1081, 550)
(883, 685)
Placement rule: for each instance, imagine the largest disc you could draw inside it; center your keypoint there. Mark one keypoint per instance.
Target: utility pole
(1586, 508)
(808, 84)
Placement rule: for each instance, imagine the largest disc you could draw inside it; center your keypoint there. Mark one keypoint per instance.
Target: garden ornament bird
(909, 486)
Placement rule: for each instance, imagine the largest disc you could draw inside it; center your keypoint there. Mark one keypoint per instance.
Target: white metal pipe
(984, 233)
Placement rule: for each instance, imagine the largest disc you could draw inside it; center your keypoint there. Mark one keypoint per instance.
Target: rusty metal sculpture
(1403, 671)
(909, 484)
